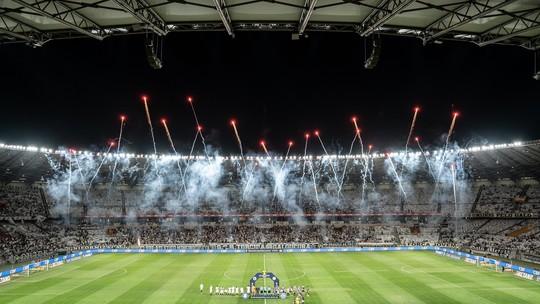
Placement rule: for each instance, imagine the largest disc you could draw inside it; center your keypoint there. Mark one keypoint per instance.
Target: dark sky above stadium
(72, 92)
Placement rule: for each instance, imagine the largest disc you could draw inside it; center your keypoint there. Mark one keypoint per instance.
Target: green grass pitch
(378, 277)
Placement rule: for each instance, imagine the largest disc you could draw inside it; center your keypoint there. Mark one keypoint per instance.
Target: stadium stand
(499, 216)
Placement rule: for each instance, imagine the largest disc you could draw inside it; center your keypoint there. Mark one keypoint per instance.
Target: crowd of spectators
(21, 201)
(504, 222)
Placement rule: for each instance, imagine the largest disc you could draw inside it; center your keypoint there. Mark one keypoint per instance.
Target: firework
(453, 169)
(233, 124)
(411, 129)
(443, 157)
(149, 120)
(354, 119)
(347, 159)
(290, 143)
(69, 191)
(193, 144)
(451, 129)
(189, 157)
(168, 133)
(123, 119)
(306, 136)
(111, 144)
(316, 132)
(314, 183)
(289, 146)
(365, 163)
(396, 175)
(190, 101)
(169, 137)
(122, 122)
(417, 139)
(199, 127)
(263, 145)
(200, 131)
(305, 146)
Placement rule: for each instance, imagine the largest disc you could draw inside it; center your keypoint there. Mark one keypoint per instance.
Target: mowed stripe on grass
(381, 277)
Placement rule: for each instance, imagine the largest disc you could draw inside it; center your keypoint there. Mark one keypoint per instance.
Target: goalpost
(495, 267)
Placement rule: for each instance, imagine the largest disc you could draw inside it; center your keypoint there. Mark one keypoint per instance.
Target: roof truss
(223, 13)
(20, 30)
(140, 10)
(64, 14)
(516, 26)
(462, 15)
(386, 10)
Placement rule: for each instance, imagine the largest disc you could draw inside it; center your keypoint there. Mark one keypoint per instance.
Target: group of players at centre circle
(297, 291)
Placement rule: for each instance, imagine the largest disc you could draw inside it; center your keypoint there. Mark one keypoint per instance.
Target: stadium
(295, 151)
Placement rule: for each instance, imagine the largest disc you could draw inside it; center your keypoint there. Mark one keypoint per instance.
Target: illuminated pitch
(378, 277)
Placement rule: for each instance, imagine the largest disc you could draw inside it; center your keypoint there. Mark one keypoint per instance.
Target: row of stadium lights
(233, 158)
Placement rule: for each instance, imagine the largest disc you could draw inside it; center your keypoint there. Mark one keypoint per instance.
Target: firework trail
(330, 162)
(233, 124)
(149, 120)
(263, 145)
(189, 159)
(356, 129)
(290, 144)
(168, 133)
(411, 130)
(79, 169)
(370, 171)
(169, 137)
(365, 161)
(250, 177)
(193, 145)
(249, 174)
(282, 166)
(453, 169)
(356, 134)
(347, 161)
(199, 127)
(314, 183)
(305, 154)
(443, 157)
(425, 157)
(397, 176)
(190, 101)
(111, 144)
(303, 167)
(69, 192)
(451, 130)
(122, 122)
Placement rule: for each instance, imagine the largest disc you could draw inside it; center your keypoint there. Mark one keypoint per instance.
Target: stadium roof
(483, 22)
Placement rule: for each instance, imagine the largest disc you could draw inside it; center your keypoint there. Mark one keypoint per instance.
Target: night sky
(72, 92)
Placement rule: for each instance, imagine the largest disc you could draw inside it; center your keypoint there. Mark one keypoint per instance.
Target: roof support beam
(65, 15)
(532, 44)
(462, 15)
(224, 15)
(306, 15)
(140, 10)
(514, 27)
(20, 30)
(377, 18)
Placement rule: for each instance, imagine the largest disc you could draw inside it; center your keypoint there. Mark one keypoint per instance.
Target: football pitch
(378, 277)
